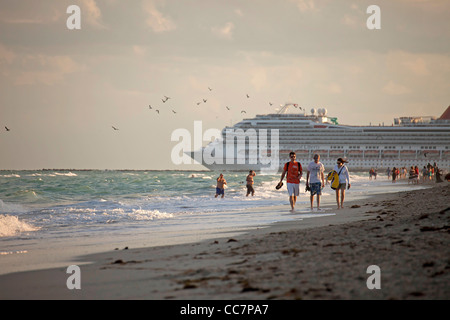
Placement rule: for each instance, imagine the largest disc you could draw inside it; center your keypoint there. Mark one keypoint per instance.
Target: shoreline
(404, 233)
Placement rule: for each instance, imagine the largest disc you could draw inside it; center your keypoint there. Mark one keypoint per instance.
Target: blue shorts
(220, 191)
(316, 188)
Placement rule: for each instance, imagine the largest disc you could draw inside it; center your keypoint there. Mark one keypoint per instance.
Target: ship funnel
(313, 111)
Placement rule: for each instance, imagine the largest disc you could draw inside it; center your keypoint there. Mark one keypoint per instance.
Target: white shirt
(344, 176)
(315, 170)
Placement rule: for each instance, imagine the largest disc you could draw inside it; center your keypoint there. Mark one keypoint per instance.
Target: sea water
(156, 207)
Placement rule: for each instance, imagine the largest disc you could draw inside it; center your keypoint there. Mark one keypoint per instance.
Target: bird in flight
(7, 129)
(198, 103)
(227, 107)
(157, 111)
(173, 111)
(270, 103)
(204, 100)
(248, 96)
(149, 106)
(209, 89)
(114, 128)
(243, 111)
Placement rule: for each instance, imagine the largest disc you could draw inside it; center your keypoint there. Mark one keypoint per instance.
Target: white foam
(10, 176)
(11, 225)
(69, 174)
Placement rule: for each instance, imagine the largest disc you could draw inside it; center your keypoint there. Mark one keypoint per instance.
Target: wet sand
(405, 234)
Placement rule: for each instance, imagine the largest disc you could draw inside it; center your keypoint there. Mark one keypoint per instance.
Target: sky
(62, 90)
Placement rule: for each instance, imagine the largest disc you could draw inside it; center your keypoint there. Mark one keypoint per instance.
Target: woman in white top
(344, 181)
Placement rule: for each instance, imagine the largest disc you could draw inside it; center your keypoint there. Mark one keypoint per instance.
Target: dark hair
(291, 153)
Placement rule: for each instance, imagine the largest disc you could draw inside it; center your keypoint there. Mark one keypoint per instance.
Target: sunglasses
(292, 156)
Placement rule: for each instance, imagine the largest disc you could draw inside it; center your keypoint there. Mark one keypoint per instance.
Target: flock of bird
(203, 100)
(164, 100)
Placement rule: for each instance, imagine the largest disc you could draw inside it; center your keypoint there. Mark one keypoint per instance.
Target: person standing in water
(220, 189)
(250, 183)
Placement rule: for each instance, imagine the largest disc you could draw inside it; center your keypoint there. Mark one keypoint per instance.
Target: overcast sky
(62, 90)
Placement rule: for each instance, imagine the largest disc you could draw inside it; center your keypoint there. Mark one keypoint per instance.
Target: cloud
(92, 14)
(239, 12)
(48, 70)
(156, 20)
(393, 88)
(225, 31)
(259, 78)
(6, 55)
(139, 50)
(305, 5)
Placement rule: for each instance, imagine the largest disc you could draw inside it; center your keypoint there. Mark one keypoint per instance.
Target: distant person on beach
(315, 180)
(424, 173)
(394, 174)
(438, 174)
(294, 174)
(250, 183)
(220, 189)
(372, 173)
(412, 175)
(416, 170)
(344, 181)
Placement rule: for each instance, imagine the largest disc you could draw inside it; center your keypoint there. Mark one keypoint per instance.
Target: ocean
(109, 209)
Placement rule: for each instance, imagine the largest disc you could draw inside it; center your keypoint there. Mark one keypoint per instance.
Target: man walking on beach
(315, 180)
(250, 183)
(294, 174)
(220, 189)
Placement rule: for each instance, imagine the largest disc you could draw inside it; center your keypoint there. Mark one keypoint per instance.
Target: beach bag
(333, 176)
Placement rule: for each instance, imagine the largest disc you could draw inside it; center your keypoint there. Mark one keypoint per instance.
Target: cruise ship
(251, 143)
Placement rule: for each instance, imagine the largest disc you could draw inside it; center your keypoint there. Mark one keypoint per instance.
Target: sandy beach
(405, 234)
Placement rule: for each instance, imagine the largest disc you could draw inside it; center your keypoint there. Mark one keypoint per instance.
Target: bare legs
(292, 201)
(311, 198)
(340, 202)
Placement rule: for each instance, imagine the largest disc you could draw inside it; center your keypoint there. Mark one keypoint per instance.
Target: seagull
(243, 111)
(227, 107)
(149, 106)
(164, 101)
(209, 89)
(167, 98)
(7, 129)
(248, 96)
(198, 103)
(114, 128)
(270, 103)
(204, 100)
(157, 111)
(173, 111)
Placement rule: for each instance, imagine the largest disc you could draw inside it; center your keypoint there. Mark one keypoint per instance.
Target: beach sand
(405, 234)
